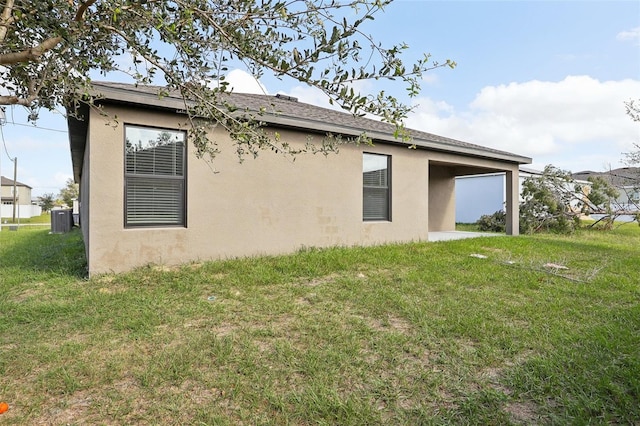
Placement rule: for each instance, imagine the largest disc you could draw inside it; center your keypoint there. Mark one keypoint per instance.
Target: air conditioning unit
(61, 221)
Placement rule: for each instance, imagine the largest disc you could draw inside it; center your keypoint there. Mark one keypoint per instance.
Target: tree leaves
(50, 46)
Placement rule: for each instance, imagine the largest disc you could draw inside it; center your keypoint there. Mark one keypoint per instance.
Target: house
(484, 194)
(145, 197)
(24, 207)
(625, 179)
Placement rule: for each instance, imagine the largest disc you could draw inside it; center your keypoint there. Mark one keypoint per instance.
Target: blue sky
(545, 79)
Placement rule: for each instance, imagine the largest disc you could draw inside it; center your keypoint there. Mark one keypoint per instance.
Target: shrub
(496, 222)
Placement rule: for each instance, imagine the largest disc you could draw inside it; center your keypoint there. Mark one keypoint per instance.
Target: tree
(69, 192)
(49, 47)
(47, 201)
(633, 111)
(632, 158)
(555, 202)
(550, 202)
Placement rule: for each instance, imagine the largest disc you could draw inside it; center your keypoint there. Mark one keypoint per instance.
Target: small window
(154, 177)
(376, 203)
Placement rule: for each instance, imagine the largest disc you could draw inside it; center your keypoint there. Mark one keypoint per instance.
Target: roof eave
(386, 138)
(78, 138)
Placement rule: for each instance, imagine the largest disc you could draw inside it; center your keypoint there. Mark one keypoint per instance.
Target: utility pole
(15, 191)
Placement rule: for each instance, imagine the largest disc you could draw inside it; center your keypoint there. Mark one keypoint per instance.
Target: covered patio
(443, 170)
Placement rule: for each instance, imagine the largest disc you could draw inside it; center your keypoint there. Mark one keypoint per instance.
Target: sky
(543, 79)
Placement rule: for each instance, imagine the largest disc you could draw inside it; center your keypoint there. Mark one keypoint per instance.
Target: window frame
(386, 187)
(182, 223)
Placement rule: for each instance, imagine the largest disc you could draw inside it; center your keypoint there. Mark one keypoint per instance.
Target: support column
(513, 202)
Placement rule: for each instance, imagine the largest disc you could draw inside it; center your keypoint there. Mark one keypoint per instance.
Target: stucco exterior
(23, 192)
(268, 205)
(24, 208)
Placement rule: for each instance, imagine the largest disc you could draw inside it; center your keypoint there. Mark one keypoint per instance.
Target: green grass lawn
(422, 333)
(468, 227)
(36, 221)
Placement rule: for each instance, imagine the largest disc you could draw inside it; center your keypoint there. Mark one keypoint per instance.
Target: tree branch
(33, 53)
(26, 101)
(82, 9)
(6, 19)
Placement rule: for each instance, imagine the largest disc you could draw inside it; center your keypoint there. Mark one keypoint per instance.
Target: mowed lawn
(421, 333)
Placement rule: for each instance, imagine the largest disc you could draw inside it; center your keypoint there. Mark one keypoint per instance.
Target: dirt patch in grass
(327, 279)
(523, 412)
(494, 374)
(218, 276)
(68, 410)
(111, 286)
(198, 394)
(391, 323)
(35, 290)
(225, 329)
(125, 402)
(198, 323)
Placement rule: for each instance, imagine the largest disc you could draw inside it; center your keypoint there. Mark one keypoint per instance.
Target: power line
(13, 121)
(37, 127)
(5, 145)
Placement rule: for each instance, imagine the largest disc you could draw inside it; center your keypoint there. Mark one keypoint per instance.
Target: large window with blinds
(154, 179)
(376, 177)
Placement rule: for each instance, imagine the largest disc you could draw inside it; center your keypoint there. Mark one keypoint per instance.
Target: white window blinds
(375, 194)
(154, 177)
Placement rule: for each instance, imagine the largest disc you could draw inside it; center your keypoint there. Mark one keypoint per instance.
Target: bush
(496, 222)
(530, 222)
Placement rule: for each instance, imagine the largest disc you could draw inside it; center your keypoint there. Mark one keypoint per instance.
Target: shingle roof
(286, 112)
(9, 182)
(281, 107)
(624, 176)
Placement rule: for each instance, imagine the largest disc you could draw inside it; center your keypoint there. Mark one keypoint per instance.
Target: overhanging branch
(6, 19)
(34, 53)
(31, 54)
(32, 95)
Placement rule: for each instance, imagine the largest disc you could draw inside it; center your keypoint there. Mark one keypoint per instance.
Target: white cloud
(315, 96)
(311, 95)
(243, 82)
(430, 78)
(577, 123)
(60, 179)
(631, 35)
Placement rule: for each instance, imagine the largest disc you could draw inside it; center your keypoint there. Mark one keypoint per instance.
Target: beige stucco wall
(23, 195)
(269, 205)
(442, 202)
(84, 191)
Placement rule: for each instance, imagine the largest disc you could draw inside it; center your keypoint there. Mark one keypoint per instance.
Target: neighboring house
(142, 201)
(484, 194)
(625, 179)
(24, 207)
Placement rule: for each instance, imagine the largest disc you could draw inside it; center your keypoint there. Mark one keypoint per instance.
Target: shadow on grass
(28, 250)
